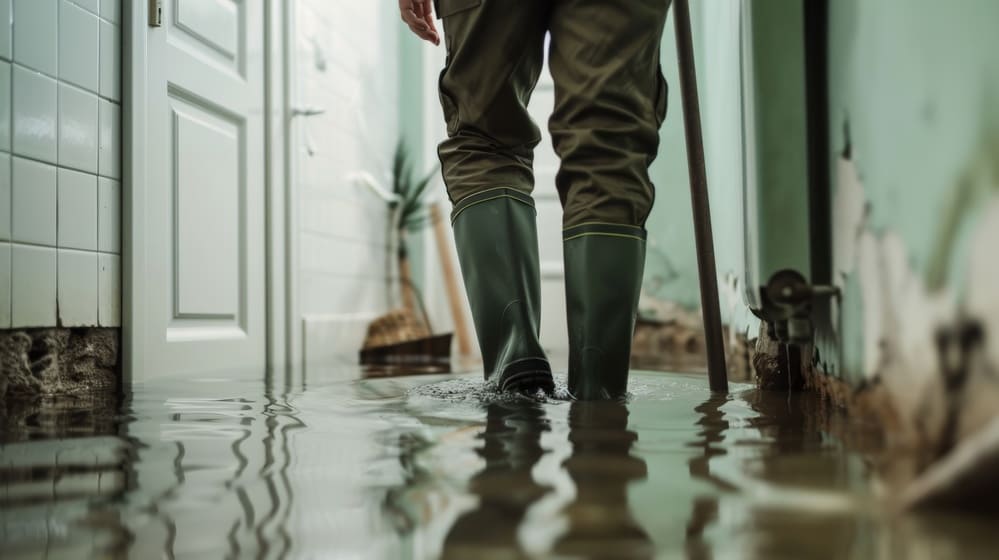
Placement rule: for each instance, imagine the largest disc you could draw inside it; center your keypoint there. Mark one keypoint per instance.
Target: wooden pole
(451, 282)
(710, 308)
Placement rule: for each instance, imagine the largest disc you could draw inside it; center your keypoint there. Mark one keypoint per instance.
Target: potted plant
(398, 337)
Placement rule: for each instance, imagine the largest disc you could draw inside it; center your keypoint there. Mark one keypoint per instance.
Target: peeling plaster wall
(916, 208)
(915, 181)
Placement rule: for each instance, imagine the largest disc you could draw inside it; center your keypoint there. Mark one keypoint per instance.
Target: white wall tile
(5, 30)
(5, 93)
(108, 215)
(33, 286)
(60, 104)
(93, 6)
(34, 202)
(77, 210)
(34, 115)
(111, 10)
(79, 46)
(109, 146)
(78, 285)
(362, 76)
(4, 285)
(4, 196)
(77, 128)
(35, 34)
(110, 62)
(109, 300)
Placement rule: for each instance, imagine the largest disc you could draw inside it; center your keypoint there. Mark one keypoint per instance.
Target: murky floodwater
(433, 466)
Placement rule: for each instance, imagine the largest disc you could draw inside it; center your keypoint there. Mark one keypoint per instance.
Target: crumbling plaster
(933, 351)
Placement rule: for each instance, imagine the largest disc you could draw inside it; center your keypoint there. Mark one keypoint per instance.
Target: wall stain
(930, 347)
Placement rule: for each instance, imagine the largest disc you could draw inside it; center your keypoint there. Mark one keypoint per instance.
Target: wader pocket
(447, 8)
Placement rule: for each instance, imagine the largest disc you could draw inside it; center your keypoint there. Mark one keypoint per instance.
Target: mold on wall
(932, 351)
(79, 362)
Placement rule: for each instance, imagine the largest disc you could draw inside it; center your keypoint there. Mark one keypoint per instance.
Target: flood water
(435, 466)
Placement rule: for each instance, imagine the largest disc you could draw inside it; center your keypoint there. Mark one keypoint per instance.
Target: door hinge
(155, 13)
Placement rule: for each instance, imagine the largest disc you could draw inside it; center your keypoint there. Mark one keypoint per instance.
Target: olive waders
(610, 100)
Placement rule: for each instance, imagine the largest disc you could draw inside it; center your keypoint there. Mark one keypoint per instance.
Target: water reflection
(56, 458)
(712, 425)
(505, 487)
(435, 466)
(600, 521)
(220, 462)
(797, 461)
(595, 519)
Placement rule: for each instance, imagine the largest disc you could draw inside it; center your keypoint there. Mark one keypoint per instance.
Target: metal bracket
(787, 305)
(155, 13)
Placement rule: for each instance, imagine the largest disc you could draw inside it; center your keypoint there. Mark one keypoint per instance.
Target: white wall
(345, 63)
(60, 83)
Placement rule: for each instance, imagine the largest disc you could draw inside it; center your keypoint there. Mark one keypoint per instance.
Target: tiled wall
(60, 168)
(346, 66)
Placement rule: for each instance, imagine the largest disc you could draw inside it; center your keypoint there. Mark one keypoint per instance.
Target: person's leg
(610, 100)
(495, 55)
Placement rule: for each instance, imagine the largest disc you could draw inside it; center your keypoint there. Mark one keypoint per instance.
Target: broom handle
(451, 282)
(710, 309)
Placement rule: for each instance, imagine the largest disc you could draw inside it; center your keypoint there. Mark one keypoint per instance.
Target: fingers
(428, 18)
(414, 14)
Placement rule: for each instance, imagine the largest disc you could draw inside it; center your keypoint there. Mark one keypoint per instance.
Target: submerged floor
(432, 466)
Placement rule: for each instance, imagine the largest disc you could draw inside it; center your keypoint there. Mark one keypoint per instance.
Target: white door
(202, 269)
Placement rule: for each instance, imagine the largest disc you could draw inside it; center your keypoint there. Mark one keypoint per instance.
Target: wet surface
(436, 466)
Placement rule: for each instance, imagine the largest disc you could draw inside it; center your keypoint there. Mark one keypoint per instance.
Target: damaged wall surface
(915, 199)
(916, 210)
(60, 200)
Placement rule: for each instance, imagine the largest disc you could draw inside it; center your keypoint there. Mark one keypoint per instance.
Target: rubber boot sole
(527, 376)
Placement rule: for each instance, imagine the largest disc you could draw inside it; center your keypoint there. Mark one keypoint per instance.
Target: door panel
(206, 226)
(204, 257)
(214, 23)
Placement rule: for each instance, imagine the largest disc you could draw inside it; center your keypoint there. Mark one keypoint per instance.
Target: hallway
(234, 323)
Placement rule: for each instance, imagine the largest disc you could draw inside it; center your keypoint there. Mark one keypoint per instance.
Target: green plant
(412, 215)
(410, 189)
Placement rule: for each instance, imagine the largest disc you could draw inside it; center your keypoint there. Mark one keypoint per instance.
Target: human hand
(419, 16)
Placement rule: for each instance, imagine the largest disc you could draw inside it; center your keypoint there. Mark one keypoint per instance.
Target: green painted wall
(670, 268)
(775, 86)
(913, 89)
(716, 32)
(916, 84)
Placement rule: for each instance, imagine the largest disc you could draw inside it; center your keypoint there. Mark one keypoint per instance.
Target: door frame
(278, 254)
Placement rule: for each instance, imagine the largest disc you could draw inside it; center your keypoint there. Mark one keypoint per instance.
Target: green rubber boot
(604, 264)
(497, 238)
